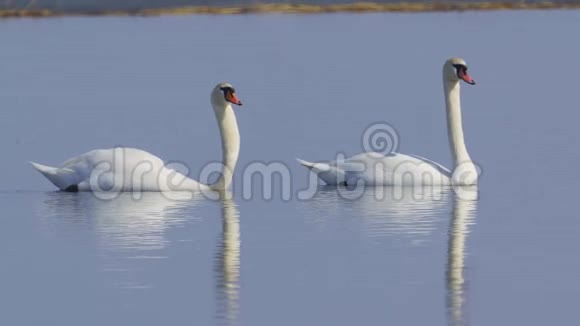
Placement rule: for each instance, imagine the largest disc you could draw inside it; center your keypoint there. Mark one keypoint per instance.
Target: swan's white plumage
(119, 169)
(130, 169)
(60, 177)
(376, 169)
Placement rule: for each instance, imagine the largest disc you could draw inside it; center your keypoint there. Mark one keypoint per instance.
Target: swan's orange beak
(466, 78)
(232, 98)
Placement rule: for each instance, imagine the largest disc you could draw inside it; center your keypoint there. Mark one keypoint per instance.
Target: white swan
(130, 169)
(373, 168)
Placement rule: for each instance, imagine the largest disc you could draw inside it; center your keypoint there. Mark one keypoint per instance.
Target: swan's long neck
(454, 124)
(230, 136)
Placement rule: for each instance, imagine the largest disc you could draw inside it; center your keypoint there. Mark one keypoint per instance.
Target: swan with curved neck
(130, 169)
(373, 168)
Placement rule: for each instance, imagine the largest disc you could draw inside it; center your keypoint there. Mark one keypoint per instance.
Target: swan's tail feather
(324, 171)
(60, 177)
(307, 164)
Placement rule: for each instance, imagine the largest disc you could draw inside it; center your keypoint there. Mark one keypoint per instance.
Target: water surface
(310, 85)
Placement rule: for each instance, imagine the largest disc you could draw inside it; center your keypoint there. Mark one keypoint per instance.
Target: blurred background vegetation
(137, 5)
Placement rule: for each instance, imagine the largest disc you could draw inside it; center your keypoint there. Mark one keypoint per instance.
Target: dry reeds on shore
(359, 7)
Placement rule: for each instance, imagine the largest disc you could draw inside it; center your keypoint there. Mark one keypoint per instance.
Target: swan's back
(113, 169)
(376, 169)
(393, 169)
(129, 157)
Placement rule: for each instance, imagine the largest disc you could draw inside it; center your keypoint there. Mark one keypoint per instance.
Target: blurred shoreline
(34, 9)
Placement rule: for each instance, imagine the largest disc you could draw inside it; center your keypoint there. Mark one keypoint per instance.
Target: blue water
(310, 86)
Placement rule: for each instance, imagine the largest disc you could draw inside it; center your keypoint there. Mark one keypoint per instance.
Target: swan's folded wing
(436, 165)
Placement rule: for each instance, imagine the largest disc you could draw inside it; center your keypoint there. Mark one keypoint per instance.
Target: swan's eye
(227, 90)
(459, 68)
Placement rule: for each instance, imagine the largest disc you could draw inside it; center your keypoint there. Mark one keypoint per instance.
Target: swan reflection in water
(129, 228)
(411, 212)
(125, 227)
(462, 218)
(227, 263)
(407, 212)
